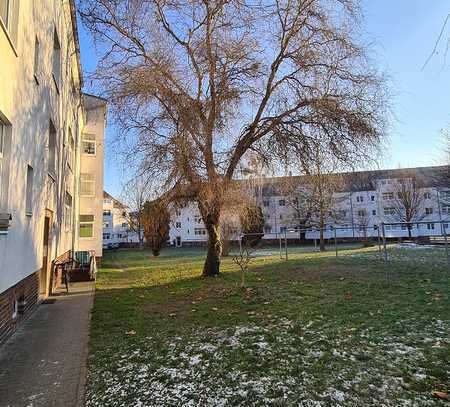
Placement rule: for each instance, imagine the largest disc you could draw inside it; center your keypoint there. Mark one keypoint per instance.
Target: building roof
(365, 180)
(116, 202)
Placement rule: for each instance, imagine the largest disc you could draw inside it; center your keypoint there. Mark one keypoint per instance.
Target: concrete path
(44, 362)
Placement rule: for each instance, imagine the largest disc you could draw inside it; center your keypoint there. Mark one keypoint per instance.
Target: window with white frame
(387, 196)
(389, 211)
(427, 195)
(86, 226)
(87, 185)
(199, 231)
(428, 211)
(197, 219)
(68, 210)
(178, 225)
(29, 192)
(266, 203)
(446, 209)
(106, 212)
(106, 236)
(281, 202)
(361, 213)
(372, 198)
(359, 198)
(430, 226)
(374, 212)
(56, 59)
(89, 144)
(9, 10)
(51, 149)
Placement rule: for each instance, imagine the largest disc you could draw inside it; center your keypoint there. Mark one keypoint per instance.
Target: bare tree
(315, 198)
(135, 194)
(156, 223)
(407, 201)
(243, 260)
(200, 84)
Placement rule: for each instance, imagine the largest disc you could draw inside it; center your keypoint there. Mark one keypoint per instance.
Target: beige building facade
(48, 129)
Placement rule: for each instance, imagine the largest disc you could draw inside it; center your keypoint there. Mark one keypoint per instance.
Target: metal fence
(381, 237)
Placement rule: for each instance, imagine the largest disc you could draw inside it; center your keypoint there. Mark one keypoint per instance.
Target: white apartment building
(116, 226)
(51, 153)
(360, 207)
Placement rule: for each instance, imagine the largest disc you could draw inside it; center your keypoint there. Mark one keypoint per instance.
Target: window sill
(29, 214)
(5, 30)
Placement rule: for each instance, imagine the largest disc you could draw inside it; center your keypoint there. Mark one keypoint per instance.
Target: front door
(44, 273)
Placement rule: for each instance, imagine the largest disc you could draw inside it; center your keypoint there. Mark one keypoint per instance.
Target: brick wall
(26, 293)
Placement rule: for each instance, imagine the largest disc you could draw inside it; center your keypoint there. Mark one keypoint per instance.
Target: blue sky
(404, 33)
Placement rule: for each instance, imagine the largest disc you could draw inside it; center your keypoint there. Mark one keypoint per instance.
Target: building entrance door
(44, 279)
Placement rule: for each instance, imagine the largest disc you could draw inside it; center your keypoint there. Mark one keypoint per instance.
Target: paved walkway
(44, 362)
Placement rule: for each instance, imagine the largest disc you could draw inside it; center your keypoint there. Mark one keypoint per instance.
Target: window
(265, 204)
(387, 196)
(372, 198)
(105, 225)
(199, 231)
(281, 202)
(446, 209)
(56, 60)
(86, 225)
(87, 185)
(282, 229)
(51, 150)
(428, 211)
(197, 219)
(427, 195)
(178, 225)
(36, 60)
(124, 225)
(267, 229)
(374, 212)
(9, 17)
(29, 192)
(89, 144)
(445, 195)
(359, 198)
(361, 213)
(281, 216)
(106, 236)
(445, 225)
(430, 226)
(389, 211)
(106, 212)
(68, 210)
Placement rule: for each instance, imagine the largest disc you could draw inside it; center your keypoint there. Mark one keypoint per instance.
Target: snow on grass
(280, 364)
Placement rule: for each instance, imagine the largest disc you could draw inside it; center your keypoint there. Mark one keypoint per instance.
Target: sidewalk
(44, 362)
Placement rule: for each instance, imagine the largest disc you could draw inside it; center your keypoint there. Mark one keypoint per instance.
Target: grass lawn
(315, 330)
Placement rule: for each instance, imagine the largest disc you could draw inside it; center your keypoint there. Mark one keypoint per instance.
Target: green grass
(315, 330)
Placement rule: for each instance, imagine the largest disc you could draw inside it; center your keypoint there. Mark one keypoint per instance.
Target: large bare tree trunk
(211, 218)
(212, 262)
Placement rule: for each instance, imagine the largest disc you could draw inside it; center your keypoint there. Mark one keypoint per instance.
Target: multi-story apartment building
(364, 201)
(51, 153)
(116, 223)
